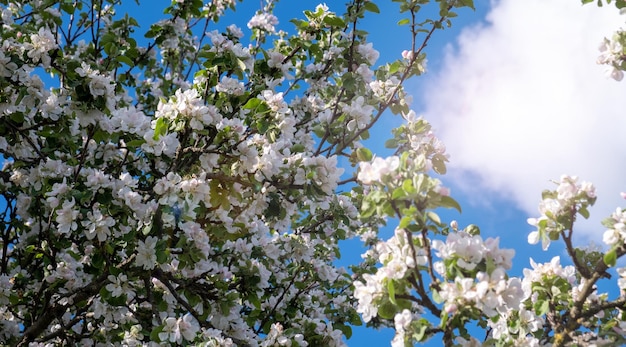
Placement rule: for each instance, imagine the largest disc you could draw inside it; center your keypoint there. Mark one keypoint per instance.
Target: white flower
(395, 269)
(130, 119)
(368, 52)
(235, 30)
(374, 171)
(612, 54)
(402, 320)
(188, 327)
(7, 67)
(230, 86)
(117, 285)
(41, 42)
(66, 217)
(535, 236)
(263, 21)
(366, 293)
(171, 331)
(165, 144)
(146, 253)
(99, 85)
(361, 114)
(98, 225)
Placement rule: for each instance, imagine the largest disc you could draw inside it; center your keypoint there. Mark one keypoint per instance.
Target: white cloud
(519, 101)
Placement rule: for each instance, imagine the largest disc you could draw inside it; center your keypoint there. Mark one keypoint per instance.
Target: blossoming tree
(180, 184)
(613, 49)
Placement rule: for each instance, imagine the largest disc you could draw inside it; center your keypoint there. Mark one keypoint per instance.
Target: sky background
(514, 92)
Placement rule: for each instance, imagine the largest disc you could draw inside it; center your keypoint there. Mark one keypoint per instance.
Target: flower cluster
(616, 234)
(478, 271)
(371, 172)
(264, 21)
(398, 257)
(613, 54)
(559, 208)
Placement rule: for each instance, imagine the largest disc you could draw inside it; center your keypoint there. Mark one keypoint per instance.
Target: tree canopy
(189, 182)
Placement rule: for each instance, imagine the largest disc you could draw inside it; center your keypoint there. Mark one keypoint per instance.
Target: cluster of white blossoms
(521, 334)
(398, 256)
(368, 52)
(374, 171)
(468, 251)
(179, 329)
(613, 55)
(264, 21)
(361, 114)
(188, 105)
(40, 44)
(490, 291)
(369, 294)
(99, 84)
(493, 294)
(616, 235)
(276, 338)
(559, 207)
(402, 322)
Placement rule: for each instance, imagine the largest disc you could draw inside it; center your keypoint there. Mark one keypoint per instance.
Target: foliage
(181, 184)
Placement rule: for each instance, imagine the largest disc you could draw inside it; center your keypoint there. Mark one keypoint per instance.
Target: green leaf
(472, 229)
(135, 143)
(160, 128)
(436, 297)
(392, 292)
(162, 256)
(408, 187)
(610, 258)
(449, 202)
(404, 21)
(345, 329)
(491, 266)
(367, 209)
(398, 193)
(420, 334)
(584, 212)
(439, 164)
(364, 154)
(370, 6)
(404, 222)
(391, 143)
(254, 300)
(467, 3)
(541, 307)
(124, 59)
(252, 104)
(433, 217)
(334, 21)
(240, 64)
(298, 148)
(387, 310)
(444, 319)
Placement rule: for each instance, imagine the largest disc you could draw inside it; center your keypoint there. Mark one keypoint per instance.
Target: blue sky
(513, 90)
